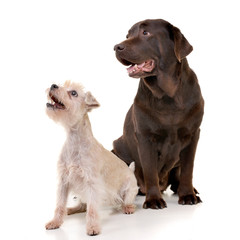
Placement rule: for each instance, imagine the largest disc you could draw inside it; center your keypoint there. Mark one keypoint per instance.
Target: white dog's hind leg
(129, 193)
(81, 207)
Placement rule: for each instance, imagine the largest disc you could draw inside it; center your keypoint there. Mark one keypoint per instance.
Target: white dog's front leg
(93, 221)
(60, 211)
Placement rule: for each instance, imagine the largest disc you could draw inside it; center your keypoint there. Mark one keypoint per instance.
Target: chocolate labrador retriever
(161, 129)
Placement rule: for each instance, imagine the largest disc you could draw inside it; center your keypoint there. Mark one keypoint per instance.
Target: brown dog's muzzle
(119, 47)
(137, 67)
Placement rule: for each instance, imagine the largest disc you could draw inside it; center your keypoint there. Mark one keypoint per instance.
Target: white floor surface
(208, 220)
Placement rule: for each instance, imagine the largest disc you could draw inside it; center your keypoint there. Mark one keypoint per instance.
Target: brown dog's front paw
(155, 204)
(189, 199)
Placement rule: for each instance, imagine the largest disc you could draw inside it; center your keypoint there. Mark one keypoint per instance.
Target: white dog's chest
(80, 180)
(77, 174)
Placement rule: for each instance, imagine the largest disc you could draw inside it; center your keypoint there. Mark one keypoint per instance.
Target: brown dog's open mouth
(146, 66)
(138, 69)
(55, 103)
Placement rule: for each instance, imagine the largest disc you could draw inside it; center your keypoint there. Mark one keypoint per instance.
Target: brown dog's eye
(146, 33)
(74, 93)
(127, 36)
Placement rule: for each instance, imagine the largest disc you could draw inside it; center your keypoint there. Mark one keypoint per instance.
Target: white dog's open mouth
(55, 103)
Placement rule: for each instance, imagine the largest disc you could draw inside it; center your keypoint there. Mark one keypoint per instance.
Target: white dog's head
(69, 103)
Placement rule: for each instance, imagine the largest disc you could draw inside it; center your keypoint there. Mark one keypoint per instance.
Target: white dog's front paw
(54, 224)
(93, 230)
(129, 209)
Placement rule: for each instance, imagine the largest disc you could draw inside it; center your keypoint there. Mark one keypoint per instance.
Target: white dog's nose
(54, 86)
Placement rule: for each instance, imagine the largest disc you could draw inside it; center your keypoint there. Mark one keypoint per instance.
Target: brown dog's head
(152, 48)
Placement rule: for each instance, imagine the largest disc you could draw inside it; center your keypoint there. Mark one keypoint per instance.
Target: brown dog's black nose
(54, 86)
(119, 47)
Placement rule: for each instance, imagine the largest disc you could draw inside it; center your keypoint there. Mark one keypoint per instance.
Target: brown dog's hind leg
(120, 149)
(174, 178)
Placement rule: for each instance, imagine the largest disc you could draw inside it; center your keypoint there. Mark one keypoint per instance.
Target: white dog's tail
(132, 166)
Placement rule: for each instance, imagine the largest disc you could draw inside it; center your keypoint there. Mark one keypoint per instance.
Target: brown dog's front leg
(187, 194)
(148, 158)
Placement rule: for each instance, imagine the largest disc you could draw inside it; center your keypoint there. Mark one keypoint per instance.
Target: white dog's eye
(74, 93)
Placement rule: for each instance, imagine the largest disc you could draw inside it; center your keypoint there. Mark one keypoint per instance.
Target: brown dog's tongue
(135, 67)
(146, 66)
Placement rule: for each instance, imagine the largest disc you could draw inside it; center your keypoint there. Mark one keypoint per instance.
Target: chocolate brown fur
(161, 129)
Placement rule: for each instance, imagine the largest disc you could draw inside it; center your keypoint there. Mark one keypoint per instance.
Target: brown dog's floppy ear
(90, 101)
(181, 45)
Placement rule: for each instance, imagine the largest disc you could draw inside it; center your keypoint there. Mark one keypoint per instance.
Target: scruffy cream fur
(85, 167)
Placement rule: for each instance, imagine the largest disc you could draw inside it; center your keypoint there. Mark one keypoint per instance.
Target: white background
(45, 42)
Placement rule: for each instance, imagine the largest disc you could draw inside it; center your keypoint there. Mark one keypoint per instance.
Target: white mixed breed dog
(85, 167)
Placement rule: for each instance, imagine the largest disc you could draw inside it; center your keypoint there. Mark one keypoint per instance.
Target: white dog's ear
(90, 101)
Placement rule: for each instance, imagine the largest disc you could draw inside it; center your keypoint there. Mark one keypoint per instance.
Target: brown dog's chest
(161, 119)
(169, 140)
(167, 126)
